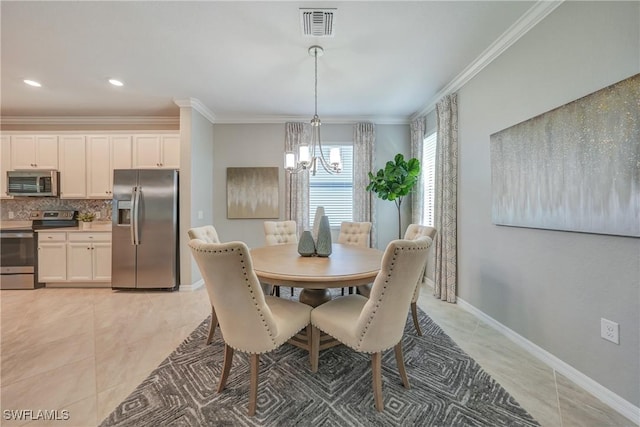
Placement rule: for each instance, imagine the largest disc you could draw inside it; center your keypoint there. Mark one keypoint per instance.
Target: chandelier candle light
(310, 155)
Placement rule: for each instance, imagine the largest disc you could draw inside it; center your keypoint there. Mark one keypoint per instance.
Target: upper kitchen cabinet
(73, 167)
(34, 152)
(5, 165)
(104, 154)
(156, 151)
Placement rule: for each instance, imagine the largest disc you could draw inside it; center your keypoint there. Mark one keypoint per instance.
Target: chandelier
(310, 155)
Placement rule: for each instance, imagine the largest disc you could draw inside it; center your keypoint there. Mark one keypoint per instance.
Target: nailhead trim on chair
(395, 253)
(253, 297)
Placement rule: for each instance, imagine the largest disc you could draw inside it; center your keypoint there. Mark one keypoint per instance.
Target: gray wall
(196, 178)
(551, 287)
(262, 145)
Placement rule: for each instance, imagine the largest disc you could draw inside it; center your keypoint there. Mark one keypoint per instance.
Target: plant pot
(84, 225)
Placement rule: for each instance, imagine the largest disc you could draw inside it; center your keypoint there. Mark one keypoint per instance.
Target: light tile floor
(85, 350)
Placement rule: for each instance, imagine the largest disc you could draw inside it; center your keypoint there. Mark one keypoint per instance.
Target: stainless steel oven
(18, 259)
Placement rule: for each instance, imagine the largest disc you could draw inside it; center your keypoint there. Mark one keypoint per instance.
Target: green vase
(323, 245)
(306, 245)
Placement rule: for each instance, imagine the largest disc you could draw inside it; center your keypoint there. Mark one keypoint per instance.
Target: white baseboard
(619, 404)
(192, 287)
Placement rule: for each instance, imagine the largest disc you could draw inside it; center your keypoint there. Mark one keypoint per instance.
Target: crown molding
(380, 120)
(90, 120)
(196, 105)
(527, 21)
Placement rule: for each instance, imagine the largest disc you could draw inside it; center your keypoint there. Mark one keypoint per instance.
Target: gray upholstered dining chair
(416, 231)
(208, 234)
(354, 233)
(250, 322)
(280, 233)
(375, 324)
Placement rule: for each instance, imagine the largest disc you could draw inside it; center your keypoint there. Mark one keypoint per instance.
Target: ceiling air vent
(317, 22)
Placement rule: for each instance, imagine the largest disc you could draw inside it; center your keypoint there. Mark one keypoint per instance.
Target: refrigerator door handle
(132, 214)
(136, 215)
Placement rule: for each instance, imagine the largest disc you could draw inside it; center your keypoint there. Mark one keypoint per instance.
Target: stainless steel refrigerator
(145, 251)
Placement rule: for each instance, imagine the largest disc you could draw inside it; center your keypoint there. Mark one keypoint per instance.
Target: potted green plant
(86, 218)
(395, 181)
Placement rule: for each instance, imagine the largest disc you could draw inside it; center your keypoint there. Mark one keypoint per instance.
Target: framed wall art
(252, 193)
(574, 168)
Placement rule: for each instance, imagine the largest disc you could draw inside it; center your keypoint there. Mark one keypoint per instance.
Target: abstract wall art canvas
(574, 168)
(252, 193)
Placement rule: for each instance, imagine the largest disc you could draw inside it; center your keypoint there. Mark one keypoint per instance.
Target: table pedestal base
(314, 297)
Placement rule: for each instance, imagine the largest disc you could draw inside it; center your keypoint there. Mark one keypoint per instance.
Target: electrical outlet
(11, 215)
(610, 331)
(97, 215)
(200, 215)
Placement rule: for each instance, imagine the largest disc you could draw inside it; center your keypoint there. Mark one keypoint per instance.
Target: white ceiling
(244, 61)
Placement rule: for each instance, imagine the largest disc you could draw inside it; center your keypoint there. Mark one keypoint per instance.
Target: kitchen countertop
(95, 227)
(15, 225)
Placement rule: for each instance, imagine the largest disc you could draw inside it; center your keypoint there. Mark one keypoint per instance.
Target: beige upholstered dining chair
(250, 322)
(416, 231)
(375, 324)
(280, 233)
(354, 233)
(207, 234)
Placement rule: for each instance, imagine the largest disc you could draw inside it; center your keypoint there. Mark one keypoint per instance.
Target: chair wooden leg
(226, 366)
(277, 290)
(376, 369)
(315, 348)
(400, 363)
(291, 291)
(414, 314)
(342, 292)
(253, 385)
(212, 326)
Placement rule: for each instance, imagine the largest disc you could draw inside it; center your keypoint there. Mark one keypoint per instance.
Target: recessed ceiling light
(32, 83)
(116, 82)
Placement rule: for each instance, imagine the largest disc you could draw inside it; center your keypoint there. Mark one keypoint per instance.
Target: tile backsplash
(21, 207)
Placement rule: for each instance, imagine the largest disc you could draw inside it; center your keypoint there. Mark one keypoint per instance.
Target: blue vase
(323, 245)
(306, 245)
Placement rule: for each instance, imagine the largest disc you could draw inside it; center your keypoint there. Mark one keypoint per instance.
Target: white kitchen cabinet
(73, 167)
(34, 152)
(89, 257)
(156, 151)
(52, 257)
(5, 164)
(104, 154)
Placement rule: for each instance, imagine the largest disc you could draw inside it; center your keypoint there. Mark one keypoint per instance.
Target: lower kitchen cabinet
(52, 257)
(89, 257)
(74, 258)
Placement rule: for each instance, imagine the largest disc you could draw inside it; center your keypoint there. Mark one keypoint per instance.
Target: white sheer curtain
(446, 199)
(297, 184)
(417, 128)
(364, 137)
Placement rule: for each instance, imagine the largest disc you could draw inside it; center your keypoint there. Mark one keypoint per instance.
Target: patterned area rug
(448, 388)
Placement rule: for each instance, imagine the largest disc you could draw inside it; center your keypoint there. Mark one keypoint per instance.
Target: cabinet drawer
(89, 237)
(52, 237)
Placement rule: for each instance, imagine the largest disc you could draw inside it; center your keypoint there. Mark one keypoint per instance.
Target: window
(428, 173)
(333, 192)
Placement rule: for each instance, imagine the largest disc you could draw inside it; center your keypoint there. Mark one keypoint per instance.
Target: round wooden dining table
(347, 266)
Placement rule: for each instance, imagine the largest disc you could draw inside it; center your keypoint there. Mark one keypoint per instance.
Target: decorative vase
(306, 245)
(323, 244)
(316, 220)
(85, 225)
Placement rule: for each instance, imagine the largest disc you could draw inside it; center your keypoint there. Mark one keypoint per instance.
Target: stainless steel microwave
(36, 183)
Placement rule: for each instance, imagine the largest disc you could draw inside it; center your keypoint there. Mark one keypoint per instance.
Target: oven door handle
(16, 235)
